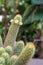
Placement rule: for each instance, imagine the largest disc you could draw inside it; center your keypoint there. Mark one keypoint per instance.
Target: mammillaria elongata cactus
(12, 59)
(6, 57)
(19, 48)
(2, 61)
(2, 50)
(13, 30)
(26, 54)
(8, 49)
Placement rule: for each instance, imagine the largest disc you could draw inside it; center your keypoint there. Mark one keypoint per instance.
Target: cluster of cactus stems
(26, 54)
(21, 53)
(21, 56)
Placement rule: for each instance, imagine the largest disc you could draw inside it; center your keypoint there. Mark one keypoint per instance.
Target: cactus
(8, 49)
(6, 57)
(26, 54)
(1, 43)
(2, 50)
(12, 59)
(2, 61)
(19, 47)
(13, 30)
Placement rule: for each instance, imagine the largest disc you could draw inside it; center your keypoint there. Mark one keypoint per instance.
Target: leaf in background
(37, 1)
(29, 14)
(38, 14)
(10, 3)
(1, 3)
(39, 25)
(21, 9)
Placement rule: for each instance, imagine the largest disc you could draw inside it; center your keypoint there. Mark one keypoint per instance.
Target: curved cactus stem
(12, 59)
(13, 31)
(19, 47)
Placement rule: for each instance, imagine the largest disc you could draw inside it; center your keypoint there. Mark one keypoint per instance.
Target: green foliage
(34, 2)
(1, 3)
(37, 2)
(31, 21)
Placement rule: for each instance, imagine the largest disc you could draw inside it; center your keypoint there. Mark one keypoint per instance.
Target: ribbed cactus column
(19, 47)
(26, 54)
(13, 30)
(2, 61)
(12, 59)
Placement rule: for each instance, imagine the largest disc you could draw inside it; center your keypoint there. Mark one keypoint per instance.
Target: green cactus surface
(2, 61)
(13, 30)
(6, 57)
(12, 59)
(19, 48)
(8, 49)
(26, 54)
(2, 50)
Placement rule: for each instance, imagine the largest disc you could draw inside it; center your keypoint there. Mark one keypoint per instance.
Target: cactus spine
(19, 47)
(13, 30)
(26, 54)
